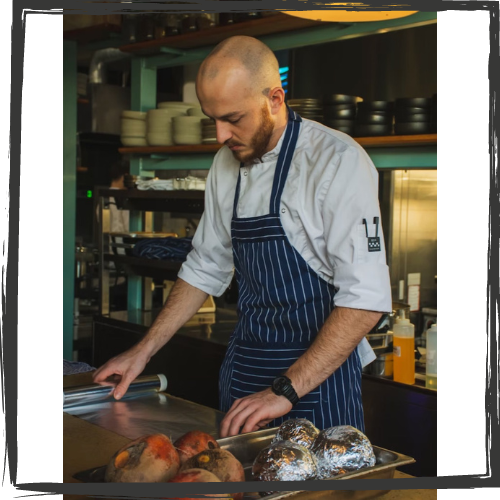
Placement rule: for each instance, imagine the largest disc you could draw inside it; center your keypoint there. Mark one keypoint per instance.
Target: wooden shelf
(397, 141)
(366, 142)
(92, 33)
(277, 23)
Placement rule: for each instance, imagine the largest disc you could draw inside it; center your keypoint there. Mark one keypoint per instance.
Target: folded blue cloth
(163, 248)
(72, 367)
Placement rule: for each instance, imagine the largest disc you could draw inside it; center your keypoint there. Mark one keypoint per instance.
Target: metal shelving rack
(183, 203)
(187, 49)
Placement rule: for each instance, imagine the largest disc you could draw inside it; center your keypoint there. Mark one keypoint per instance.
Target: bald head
(254, 62)
(239, 87)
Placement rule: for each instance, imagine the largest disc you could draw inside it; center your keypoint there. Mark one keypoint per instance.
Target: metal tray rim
(366, 472)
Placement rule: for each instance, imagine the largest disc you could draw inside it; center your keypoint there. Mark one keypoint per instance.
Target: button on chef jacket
(331, 187)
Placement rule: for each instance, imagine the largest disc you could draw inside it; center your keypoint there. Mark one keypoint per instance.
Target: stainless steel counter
(155, 413)
(94, 432)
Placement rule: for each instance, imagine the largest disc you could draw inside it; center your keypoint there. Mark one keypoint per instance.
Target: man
(293, 206)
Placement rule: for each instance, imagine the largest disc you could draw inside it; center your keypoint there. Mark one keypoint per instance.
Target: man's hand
(129, 365)
(182, 303)
(253, 412)
(342, 332)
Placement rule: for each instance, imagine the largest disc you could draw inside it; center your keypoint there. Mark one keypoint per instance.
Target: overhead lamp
(348, 16)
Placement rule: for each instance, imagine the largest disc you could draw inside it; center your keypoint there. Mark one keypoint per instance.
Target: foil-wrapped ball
(297, 430)
(342, 449)
(284, 461)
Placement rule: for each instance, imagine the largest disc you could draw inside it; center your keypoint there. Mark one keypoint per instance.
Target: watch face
(279, 384)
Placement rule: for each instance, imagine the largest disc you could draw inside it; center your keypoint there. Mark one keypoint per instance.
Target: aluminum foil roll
(297, 430)
(103, 392)
(284, 461)
(342, 449)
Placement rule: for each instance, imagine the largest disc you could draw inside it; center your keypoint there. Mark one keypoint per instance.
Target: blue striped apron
(282, 305)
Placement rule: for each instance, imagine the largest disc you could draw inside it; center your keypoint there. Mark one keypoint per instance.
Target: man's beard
(260, 140)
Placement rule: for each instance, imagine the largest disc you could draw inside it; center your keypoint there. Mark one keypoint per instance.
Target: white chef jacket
(332, 186)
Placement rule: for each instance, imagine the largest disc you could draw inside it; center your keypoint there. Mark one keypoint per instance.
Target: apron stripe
(282, 305)
(285, 311)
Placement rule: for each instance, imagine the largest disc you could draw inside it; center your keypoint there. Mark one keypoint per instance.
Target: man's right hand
(129, 365)
(184, 300)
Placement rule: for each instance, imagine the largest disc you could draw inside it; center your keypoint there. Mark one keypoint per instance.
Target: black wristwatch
(282, 386)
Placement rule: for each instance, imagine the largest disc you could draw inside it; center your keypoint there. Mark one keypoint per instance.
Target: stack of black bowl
(374, 118)
(434, 113)
(339, 111)
(308, 108)
(413, 116)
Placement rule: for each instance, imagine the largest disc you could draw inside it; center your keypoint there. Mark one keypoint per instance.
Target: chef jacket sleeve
(209, 265)
(360, 272)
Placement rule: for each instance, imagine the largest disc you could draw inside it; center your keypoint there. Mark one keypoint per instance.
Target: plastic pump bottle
(404, 351)
(431, 355)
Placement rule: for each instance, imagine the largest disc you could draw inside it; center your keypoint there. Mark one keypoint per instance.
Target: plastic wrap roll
(94, 393)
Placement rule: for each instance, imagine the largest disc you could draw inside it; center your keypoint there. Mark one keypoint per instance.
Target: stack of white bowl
(208, 131)
(186, 117)
(133, 131)
(173, 122)
(159, 127)
(187, 129)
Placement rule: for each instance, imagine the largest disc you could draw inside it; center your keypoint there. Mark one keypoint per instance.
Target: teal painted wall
(69, 193)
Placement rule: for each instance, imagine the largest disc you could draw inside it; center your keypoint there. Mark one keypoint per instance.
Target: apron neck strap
(283, 165)
(285, 159)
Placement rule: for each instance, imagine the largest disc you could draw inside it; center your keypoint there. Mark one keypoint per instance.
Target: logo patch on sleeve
(373, 241)
(373, 244)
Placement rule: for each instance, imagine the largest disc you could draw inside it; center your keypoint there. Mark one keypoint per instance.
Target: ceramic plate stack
(434, 114)
(309, 108)
(187, 129)
(374, 118)
(133, 128)
(340, 112)
(159, 127)
(208, 131)
(413, 116)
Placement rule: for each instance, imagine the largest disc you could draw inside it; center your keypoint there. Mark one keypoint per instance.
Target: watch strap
(286, 390)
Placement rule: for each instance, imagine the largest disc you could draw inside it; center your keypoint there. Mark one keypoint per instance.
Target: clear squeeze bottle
(403, 339)
(431, 355)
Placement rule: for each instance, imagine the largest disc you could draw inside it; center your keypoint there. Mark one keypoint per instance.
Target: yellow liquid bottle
(431, 363)
(403, 341)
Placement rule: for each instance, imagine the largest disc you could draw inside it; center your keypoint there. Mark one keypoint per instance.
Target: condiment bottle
(403, 341)
(431, 358)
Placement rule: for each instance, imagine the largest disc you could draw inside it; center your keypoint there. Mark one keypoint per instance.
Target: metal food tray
(246, 447)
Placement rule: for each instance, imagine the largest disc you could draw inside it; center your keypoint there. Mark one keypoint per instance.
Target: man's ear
(276, 99)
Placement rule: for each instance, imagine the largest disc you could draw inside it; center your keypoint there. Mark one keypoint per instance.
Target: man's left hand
(253, 412)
